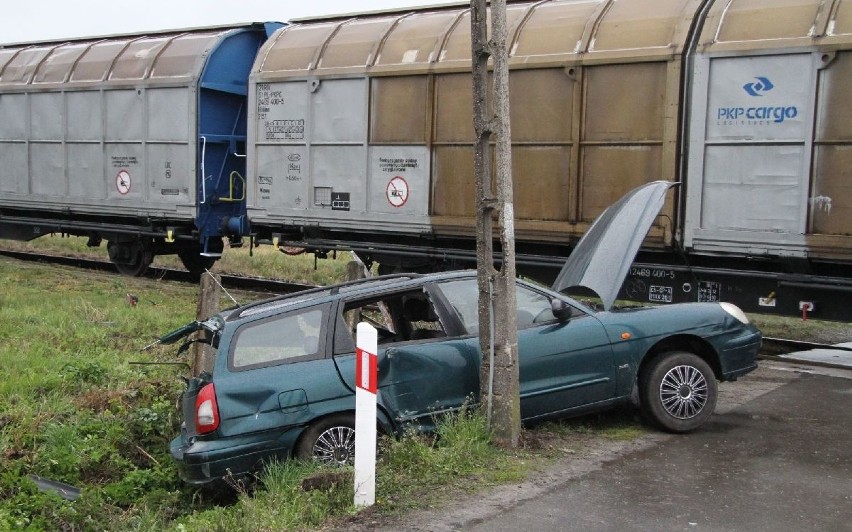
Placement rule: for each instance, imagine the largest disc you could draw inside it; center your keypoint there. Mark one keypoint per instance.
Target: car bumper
(203, 461)
(739, 354)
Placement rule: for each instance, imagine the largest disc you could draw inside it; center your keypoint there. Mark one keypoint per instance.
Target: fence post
(208, 305)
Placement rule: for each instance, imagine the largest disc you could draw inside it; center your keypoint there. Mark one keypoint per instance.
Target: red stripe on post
(365, 370)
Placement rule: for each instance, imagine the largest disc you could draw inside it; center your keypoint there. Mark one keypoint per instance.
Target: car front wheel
(330, 441)
(678, 391)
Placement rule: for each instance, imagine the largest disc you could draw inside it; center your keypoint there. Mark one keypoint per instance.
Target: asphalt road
(776, 455)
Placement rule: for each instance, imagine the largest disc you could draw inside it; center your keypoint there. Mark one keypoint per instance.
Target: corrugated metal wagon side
(361, 128)
(771, 132)
(139, 140)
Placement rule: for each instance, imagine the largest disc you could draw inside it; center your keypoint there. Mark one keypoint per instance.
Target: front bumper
(203, 461)
(738, 356)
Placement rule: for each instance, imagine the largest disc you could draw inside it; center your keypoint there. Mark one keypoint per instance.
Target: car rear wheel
(678, 391)
(330, 441)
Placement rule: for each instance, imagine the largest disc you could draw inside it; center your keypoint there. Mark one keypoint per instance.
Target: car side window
(533, 307)
(463, 295)
(288, 338)
(397, 317)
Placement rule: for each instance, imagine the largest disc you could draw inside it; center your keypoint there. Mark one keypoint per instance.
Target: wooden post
(499, 390)
(208, 305)
(354, 270)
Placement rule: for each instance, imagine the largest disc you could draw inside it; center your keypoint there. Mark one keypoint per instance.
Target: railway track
(254, 284)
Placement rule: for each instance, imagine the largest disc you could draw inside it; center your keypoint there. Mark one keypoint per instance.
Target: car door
(422, 370)
(563, 364)
(276, 373)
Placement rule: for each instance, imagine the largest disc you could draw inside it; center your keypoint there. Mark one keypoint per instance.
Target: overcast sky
(38, 20)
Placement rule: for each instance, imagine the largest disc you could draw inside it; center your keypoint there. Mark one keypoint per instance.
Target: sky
(42, 20)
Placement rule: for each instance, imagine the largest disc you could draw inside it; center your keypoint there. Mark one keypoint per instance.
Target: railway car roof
(437, 38)
(753, 24)
(160, 56)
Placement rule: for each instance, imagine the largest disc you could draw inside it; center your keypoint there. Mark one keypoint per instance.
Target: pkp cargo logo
(756, 115)
(756, 88)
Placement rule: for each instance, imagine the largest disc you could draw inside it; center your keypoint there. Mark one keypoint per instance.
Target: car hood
(602, 258)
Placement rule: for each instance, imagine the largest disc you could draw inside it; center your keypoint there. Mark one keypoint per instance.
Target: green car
(283, 381)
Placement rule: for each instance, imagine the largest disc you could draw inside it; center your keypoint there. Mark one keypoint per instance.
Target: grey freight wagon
(134, 139)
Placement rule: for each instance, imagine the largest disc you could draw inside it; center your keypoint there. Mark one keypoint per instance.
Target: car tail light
(206, 410)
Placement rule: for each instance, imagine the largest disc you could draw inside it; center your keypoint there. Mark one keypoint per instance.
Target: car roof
(359, 287)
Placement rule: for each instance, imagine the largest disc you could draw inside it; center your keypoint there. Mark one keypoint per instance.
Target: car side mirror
(561, 310)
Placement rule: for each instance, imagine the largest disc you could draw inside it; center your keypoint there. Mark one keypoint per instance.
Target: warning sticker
(397, 191)
(122, 182)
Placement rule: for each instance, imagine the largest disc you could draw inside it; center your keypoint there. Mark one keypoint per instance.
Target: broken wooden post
(208, 305)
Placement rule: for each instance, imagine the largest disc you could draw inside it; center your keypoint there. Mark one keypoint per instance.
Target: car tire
(330, 440)
(678, 391)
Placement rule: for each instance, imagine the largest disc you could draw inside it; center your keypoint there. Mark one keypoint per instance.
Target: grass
(74, 409)
(820, 331)
(262, 261)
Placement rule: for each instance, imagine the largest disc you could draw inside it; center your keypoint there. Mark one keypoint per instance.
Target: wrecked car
(283, 380)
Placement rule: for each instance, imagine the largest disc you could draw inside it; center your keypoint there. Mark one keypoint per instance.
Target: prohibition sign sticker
(122, 182)
(397, 191)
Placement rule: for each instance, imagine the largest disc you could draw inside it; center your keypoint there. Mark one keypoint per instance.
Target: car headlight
(735, 311)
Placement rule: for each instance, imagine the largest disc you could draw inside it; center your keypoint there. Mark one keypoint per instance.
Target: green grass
(262, 261)
(74, 409)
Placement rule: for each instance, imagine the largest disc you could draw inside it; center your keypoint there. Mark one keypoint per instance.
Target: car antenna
(222, 287)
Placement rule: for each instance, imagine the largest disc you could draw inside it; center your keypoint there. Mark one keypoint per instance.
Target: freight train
(138, 140)
(359, 135)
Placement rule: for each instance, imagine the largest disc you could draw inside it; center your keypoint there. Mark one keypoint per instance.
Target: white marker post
(366, 385)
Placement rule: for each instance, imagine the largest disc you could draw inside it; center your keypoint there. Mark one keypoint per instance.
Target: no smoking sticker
(397, 191)
(122, 182)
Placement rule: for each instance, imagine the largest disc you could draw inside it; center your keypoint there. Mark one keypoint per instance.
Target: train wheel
(194, 261)
(131, 258)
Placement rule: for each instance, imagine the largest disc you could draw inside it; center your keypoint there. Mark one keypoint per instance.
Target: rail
(252, 284)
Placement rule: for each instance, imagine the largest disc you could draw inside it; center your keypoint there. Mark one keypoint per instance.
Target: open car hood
(602, 258)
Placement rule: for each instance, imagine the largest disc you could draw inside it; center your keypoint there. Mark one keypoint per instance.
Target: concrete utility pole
(498, 331)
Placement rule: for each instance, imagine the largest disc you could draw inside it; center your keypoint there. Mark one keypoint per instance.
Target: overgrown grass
(74, 409)
(459, 455)
(408, 471)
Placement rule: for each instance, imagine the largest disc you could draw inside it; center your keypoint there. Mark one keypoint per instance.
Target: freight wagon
(139, 140)
(361, 137)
